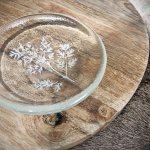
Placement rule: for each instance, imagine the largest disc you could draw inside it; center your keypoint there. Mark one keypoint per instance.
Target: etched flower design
(47, 84)
(64, 47)
(41, 60)
(57, 87)
(16, 54)
(35, 59)
(72, 62)
(67, 56)
(45, 46)
(34, 69)
(60, 63)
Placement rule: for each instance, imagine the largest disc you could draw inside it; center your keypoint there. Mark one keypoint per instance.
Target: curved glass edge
(68, 103)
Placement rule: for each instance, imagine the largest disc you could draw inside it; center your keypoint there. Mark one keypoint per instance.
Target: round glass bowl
(49, 63)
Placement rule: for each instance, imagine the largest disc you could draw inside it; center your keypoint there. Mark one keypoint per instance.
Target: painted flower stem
(58, 73)
(34, 60)
(66, 69)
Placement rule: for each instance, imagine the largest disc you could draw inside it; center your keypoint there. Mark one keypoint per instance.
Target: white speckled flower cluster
(33, 59)
(47, 84)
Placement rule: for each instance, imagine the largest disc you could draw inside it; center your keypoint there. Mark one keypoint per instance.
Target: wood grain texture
(143, 8)
(125, 37)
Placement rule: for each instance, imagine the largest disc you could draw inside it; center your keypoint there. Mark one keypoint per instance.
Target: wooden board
(126, 40)
(143, 8)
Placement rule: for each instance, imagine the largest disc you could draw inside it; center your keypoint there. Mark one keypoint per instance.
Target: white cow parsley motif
(15, 53)
(72, 62)
(66, 57)
(47, 84)
(34, 69)
(34, 59)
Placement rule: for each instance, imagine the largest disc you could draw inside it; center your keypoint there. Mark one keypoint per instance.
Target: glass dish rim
(68, 103)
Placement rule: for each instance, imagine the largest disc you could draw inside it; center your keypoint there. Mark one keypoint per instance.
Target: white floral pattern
(33, 59)
(34, 69)
(72, 62)
(47, 84)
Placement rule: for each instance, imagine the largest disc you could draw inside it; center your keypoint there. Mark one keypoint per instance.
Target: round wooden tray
(126, 41)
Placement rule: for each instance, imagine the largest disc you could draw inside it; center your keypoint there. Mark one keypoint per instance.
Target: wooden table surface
(126, 41)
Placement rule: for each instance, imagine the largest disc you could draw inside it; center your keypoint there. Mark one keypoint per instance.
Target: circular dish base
(78, 124)
(126, 42)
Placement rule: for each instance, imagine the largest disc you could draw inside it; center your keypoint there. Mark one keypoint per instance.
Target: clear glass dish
(49, 63)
